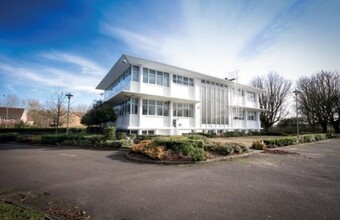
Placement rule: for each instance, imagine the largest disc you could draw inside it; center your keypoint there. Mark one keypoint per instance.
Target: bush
(110, 133)
(258, 145)
(280, 142)
(39, 130)
(225, 148)
(140, 138)
(196, 137)
(116, 144)
(170, 142)
(32, 139)
(121, 135)
(5, 138)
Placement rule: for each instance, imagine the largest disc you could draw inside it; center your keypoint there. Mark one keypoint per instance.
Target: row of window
(155, 77)
(183, 110)
(239, 115)
(122, 77)
(183, 80)
(152, 107)
(213, 83)
(126, 107)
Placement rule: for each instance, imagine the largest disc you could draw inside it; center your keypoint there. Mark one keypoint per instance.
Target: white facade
(155, 98)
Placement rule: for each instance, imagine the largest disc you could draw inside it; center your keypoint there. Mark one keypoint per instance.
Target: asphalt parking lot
(108, 186)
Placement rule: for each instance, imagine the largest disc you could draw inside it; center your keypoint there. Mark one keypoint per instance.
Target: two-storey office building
(155, 98)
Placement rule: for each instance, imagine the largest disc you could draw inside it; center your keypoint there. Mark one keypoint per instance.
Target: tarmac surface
(108, 186)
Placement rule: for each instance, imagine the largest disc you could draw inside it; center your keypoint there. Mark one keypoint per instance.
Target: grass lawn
(9, 212)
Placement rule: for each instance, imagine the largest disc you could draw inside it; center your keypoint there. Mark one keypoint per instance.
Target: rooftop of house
(13, 113)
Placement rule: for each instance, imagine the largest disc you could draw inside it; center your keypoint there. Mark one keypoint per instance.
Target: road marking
(68, 155)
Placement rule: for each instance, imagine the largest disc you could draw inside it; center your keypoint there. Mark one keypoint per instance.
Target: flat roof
(125, 61)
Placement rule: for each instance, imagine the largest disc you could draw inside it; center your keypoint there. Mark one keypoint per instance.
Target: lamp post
(68, 95)
(6, 110)
(296, 92)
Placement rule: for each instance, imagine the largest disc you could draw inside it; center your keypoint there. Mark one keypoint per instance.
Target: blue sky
(73, 44)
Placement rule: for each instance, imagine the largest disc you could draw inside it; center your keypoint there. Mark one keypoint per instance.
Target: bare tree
(56, 107)
(319, 99)
(12, 100)
(38, 113)
(81, 108)
(274, 101)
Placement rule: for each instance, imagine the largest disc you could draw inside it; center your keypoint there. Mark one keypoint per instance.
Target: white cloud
(88, 67)
(255, 37)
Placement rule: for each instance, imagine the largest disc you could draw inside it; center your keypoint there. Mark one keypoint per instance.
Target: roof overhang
(125, 61)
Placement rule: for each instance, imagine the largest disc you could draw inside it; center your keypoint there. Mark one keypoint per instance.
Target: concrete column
(140, 115)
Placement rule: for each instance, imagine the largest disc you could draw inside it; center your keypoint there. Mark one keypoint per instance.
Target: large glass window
(214, 103)
(166, 79)
(159, 107)
(152, 107)
(238, 114)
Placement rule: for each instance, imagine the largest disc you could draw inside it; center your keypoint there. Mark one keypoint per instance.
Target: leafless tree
(12, 100)
(56, 107)
(319, 99)
(81, 108)
(274, 101)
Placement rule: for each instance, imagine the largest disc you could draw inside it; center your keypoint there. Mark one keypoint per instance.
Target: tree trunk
(324, 127)
(336, 126)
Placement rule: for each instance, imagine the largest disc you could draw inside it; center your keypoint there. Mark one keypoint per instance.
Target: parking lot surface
(108, 186)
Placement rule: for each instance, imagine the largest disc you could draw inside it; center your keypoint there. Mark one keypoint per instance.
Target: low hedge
(291, 140)
(5, 138)
(225, 148)
(40, 130)
(170, 142)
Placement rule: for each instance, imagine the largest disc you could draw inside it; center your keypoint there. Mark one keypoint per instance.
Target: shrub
(32, 139)
(258, 145)
(196, 137)
(237, 149)
(121, 135)
(116, 144)
(219, 148)
(280, 142)
(110, 133)
(5, 138)
(148, 148)
(170, 142)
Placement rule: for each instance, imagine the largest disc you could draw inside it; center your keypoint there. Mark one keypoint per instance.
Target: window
(152, 107)
(159, 78)
(166, 79)
(134, 106)
(135, 71)
(251, 116)
(183, 80)
(145, 107)
(125, 107)
(238, 114)
(159, 108)
(145, 75)
(251, 96)
(183, 110)
(155, 77)
(152, 76)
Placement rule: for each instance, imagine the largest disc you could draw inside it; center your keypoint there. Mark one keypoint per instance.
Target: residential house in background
(15, 116)
(155, 98)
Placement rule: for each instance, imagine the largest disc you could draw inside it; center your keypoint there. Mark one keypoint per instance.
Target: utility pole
(68, 95)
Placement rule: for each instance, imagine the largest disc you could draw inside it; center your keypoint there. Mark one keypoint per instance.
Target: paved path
(104, 183)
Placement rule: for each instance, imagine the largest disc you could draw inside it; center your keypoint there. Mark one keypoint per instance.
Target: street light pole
(296, 92)
(6, 111)
(68, 95)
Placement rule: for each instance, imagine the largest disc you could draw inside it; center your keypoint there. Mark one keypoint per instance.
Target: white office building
(155, 98)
